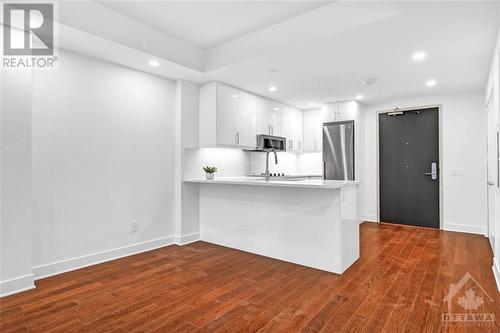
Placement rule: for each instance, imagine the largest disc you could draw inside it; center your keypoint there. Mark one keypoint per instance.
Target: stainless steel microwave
(270, 141)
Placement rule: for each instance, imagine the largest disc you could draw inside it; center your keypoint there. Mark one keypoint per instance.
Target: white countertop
(253, 181)
(292, 175)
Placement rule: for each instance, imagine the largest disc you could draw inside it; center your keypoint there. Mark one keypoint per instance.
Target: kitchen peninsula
(311, 222)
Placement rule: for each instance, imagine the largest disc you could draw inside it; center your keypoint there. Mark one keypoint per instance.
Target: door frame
(489, 107)
(440, 148)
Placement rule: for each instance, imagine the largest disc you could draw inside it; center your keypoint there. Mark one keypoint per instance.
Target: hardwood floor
(398, 285)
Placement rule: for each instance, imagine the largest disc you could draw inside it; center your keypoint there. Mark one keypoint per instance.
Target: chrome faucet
(266, 174)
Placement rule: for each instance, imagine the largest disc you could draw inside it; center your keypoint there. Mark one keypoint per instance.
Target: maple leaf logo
(470, 301)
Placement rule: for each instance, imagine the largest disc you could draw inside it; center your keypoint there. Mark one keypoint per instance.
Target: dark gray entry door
(409, 168)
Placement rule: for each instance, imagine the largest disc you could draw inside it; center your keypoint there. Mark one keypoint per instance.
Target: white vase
(209, 176)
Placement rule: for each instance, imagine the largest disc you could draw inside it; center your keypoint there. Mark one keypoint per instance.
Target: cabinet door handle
(237, 138)
(269, 129)
(272, 130)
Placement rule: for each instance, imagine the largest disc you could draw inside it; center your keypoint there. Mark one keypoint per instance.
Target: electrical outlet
(134, 226)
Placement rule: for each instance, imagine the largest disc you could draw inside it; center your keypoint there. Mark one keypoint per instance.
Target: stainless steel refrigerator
(338, 150)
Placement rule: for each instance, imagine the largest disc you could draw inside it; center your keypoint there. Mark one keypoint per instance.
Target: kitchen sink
(278, 178)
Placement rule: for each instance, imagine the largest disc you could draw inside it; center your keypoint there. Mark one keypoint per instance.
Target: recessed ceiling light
(312, 104)
(368, 82)
(419, 56)
(359, 97)
(431, 83)
(154, 63)
(234, 96)
(276, 109)
(272, 88)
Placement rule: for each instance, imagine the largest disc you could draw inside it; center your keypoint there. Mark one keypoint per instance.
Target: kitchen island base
(317, 228)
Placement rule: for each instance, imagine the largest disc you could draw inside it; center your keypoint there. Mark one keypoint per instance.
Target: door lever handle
(433, 172)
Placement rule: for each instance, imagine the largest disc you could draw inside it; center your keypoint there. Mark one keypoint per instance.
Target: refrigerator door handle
(324, 169)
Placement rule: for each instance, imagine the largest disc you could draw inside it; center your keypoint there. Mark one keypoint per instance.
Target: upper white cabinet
(268, 117)
(314, 119)
(227, 116)
(313, 130)
(340, 111)
(292, 128)
(348, 110)
(236, 117)
(232, 117)
(309, 133)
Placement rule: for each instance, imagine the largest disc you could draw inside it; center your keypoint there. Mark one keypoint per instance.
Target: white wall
(16, 223)
(186, 135)
(103, 155)
(463, 150)
(493, 87)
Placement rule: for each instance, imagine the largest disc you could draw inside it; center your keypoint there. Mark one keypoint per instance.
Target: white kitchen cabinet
(268, 116)
(227, 116)
(276, 121)
(299, 136)
(330, 112)
(340, 111)
(308, 121)
(236, 117)
(319, 119)
(292, 128)
(347, 110)
(313, 127)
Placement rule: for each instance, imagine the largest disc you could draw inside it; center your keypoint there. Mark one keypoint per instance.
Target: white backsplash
(310, 163)
(287, 163)
(232, 162)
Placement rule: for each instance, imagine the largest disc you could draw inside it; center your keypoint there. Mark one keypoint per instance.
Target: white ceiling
(322, 51)
(458, 38)
(210, 23)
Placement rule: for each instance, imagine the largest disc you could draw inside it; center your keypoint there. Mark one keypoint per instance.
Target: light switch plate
(457, 172)
(134, 226)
